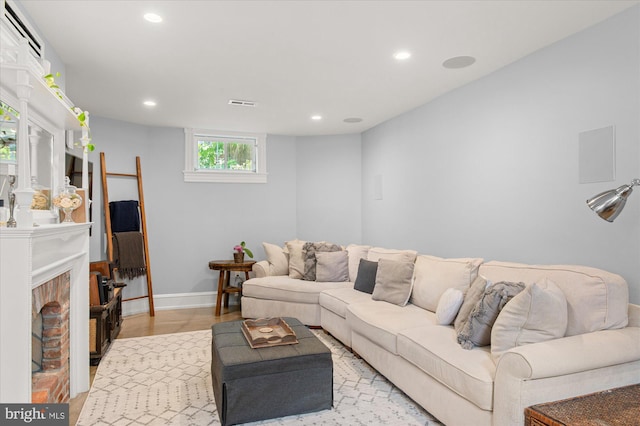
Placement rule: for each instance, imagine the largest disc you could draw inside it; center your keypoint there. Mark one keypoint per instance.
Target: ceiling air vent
(237, 102)
(21, 28)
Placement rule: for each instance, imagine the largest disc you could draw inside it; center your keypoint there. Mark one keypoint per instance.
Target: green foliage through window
(226, 154)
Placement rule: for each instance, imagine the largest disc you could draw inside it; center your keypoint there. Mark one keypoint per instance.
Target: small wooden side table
(225, 267)
(611, 407)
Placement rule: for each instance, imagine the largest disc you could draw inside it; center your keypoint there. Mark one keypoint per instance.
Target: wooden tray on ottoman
(267, 332)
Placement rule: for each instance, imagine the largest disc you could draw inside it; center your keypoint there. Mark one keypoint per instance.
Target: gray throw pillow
(477, 330)
(332, 266)
(309, 253)
(471, 297)
(393, 281)
(366, 278)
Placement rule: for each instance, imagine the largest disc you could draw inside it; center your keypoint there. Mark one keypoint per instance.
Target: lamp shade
(609, 204)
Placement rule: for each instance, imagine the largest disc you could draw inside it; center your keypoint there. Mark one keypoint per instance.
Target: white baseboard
(164, 302)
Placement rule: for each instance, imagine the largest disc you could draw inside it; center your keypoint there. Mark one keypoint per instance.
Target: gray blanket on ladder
(128, 254)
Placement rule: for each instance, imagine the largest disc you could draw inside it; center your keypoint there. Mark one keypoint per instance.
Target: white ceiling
(293, 58)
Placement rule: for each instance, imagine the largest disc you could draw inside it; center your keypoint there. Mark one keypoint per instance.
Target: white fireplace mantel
(30, 257)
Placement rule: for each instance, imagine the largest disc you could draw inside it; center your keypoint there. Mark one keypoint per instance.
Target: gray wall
(190, 224)
(328, 191)
(491, 170)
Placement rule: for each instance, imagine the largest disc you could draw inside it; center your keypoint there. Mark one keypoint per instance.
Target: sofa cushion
(296, 258)
(536, 314)
(471, 298)
(356, 252)
(332, 266)
(309, 250)
(477, 329)
(393, 281)
(434, 350)
(377, 253)
(277, 258)
(381, 322)
(448, 306)
(287, 289)
(596, 299)
(336, 300)
(366, 277)
(433, 275)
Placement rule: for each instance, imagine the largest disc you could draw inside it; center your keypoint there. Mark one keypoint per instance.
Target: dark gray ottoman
(258, 384)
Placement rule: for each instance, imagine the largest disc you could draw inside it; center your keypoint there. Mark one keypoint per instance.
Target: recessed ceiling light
(459, 62)
(152, 17)
(402, 55)
(316, 117)
(352, 120)
(150, 103)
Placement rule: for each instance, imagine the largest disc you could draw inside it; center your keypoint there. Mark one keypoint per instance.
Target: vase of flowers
(67, 200)
(239, 251)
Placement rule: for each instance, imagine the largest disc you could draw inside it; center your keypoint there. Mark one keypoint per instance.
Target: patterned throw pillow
(309, 250)
(477, 330)
(471, 297)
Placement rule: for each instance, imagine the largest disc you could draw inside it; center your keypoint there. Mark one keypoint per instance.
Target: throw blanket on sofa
(128, 254)
(124, 216)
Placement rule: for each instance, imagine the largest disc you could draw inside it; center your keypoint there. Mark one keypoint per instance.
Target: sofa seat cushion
(381, 321)
(336, 300)
(286, 289)
(434, 349)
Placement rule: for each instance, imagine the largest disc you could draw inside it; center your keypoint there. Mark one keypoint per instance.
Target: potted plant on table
(239, 251)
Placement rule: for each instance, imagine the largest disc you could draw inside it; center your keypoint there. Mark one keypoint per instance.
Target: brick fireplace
(44, 275)
(50, 341)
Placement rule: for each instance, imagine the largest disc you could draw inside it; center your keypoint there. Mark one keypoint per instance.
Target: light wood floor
(164, 322)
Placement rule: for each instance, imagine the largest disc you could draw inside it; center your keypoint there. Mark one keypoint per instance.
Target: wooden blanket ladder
(143, 222)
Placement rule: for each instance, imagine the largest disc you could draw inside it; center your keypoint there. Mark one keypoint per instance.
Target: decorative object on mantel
(239, 251)
(67, 200)
(609, 204)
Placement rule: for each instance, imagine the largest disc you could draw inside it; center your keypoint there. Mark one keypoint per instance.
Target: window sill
(224, 177)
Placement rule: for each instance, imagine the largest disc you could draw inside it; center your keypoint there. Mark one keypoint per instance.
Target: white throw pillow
(536, 314)
(277, 258)
(332, 266)
(448, 306)
(356, 252)
(434, 275)
(296, 258)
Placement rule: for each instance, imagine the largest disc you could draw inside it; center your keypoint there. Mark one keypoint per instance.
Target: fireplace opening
(50, 341)
(36, 343)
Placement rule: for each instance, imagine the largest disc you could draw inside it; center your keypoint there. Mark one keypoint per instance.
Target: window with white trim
(217, 156)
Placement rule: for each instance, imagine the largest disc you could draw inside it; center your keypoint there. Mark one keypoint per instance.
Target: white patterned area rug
(166, 380)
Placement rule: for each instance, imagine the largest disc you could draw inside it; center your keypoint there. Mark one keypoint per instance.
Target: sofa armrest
(261, 269)
(564, 368)
(572, 354)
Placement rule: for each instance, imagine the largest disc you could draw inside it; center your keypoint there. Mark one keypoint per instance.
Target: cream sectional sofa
(597, 346)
